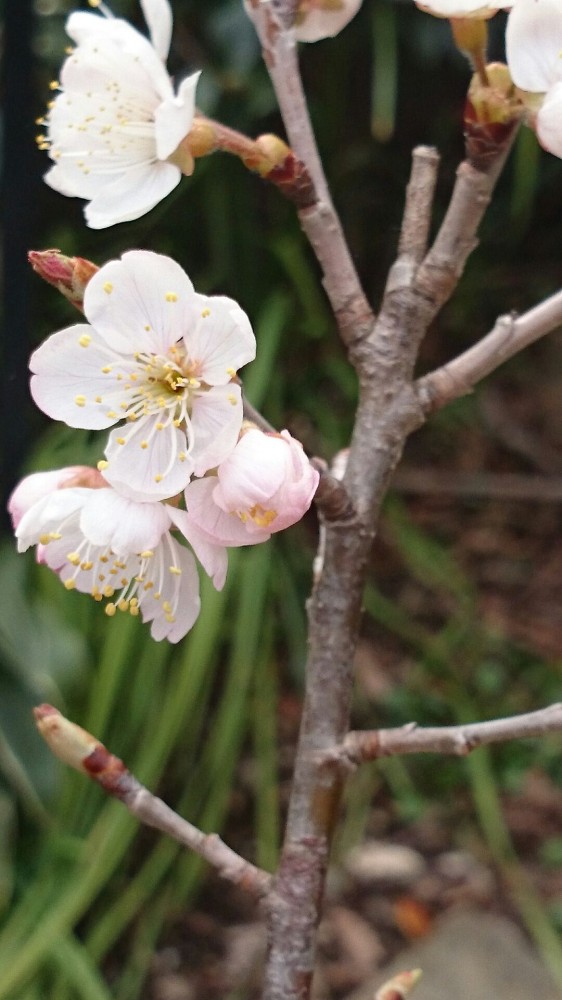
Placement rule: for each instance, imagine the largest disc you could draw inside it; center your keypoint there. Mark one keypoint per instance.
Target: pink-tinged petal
(216, 421)
(133, 194)
(69, 383)
(158, 16)
(212, 557)
(549, 121)
(317, 23)
(174, 117)
(149, 464)
(208, 524)
(139, 303)
(253, 473)
(38, 485)
(179, 592)
(110, 520)
(268, 491)
(534, 44)
(219, 338)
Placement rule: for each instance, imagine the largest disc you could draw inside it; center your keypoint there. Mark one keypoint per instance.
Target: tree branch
(77, 748)
(359, 747)
(509, 335)
(319, 220)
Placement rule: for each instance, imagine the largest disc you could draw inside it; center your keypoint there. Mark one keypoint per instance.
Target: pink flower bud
(265, 485)
(69, 275)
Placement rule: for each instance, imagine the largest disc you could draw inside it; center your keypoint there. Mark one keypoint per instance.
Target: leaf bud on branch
(268, 155)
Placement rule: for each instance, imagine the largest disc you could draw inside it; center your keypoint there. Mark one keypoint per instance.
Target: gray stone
(471, 956)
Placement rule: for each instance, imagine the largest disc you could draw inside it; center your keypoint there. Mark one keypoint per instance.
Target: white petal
(174, 117)
(216, 419)
(212, 556)
(90, 30)
(68, 382)
(318, 23)
(180, 591)
(147, 307)
(462, 8)
(158, 16)
(133, 194)
(125, 527)
(253, 473)
(36, 486)
(155, 472)
(47, 514)
(219, 338)
(549, 121)
(534, 43)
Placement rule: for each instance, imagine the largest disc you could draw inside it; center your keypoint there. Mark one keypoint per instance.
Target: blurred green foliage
(76, 881)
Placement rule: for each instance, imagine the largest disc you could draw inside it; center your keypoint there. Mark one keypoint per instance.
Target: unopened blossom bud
(69, 742)
(82, 751)
(69, 275)
(399, 986)
(266, 484)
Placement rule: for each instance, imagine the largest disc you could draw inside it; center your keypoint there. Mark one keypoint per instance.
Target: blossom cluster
(184, 476)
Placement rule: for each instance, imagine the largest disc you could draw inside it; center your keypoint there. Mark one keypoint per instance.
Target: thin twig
(79, 749)
(319, 220)
(359, 747)
(509, 335)
(416, 221)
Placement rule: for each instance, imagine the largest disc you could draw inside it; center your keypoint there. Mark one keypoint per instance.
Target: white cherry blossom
(534, 56)
(115, 126)
(159, 356)
(100, 543)
(265, 485)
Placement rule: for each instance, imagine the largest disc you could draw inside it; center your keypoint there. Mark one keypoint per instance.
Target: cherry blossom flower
(159, 356)
(101, 543)
(534, 56)
(265, 485)
(114, 129)
(317, 19)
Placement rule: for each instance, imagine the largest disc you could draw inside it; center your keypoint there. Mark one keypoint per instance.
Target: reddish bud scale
(485, 141)
(80, 750)
(107, 770)
(294, 181)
